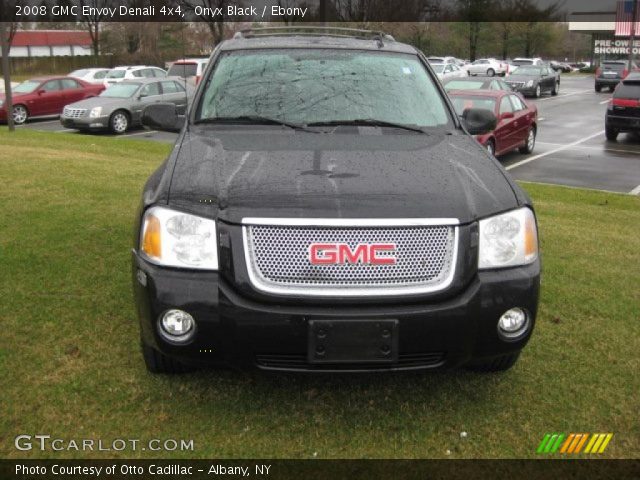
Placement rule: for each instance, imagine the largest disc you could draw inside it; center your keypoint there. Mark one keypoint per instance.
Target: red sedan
(47, 96)
(517, 119)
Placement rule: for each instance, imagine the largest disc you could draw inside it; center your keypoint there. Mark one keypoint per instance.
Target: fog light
(513, 323)
(177, 325)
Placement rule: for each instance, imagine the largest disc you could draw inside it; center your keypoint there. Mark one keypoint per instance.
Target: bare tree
(215, 22)
(93, 21)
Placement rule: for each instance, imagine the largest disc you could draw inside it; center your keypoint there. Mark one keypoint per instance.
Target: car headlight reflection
(530, 83)
(178, 239)
(508, 239)
(95, 112)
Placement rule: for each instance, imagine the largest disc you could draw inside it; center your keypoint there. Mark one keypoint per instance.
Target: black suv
(325, 209)
(611, 72)
(623, 111)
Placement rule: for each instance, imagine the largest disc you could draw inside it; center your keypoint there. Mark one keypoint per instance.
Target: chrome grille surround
(276, 253)
(515, 84)
(74, 112)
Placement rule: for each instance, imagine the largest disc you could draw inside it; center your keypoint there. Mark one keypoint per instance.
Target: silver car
(120, 107)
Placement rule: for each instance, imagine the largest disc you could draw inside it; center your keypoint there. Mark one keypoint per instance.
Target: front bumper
(235, 330)
(87, 123)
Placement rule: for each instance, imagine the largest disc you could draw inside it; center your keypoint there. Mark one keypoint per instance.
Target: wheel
(538, 91)
(556, 89)
(530, 143)
(497, 364)
(491, 72)
(119, 122)
(157, 362)
(491, 147)
(20, 114)
(611, 133)
(598, 88)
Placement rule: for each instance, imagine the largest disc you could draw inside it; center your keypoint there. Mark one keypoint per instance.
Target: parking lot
(571, 147)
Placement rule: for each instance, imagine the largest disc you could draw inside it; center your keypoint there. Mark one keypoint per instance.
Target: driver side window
(505, 105)
(51, 86)
(151, 89)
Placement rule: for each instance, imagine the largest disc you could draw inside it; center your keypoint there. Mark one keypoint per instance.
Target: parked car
(520, 62)
(611, 72)
(319, 227)
(120, 106)
(91, 75)
(517, 120)
(476, 83)
(448, 70)
(533, 81)
(623, 111)
(560, 66)
(46, 96)
(442, 60)
(120, 74)
(487, 66)
(191, 69)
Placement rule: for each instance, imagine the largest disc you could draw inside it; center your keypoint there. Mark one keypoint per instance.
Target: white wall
(21, 52)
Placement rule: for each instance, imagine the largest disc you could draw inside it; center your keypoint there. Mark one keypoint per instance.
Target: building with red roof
(50, 43)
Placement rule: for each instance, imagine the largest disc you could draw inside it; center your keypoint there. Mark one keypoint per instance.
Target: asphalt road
(571, 148)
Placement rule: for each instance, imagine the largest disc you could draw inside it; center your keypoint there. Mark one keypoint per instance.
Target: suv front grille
(278, 259)
(74, 112)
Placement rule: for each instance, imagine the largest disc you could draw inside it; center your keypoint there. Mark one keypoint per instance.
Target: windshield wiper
(256, 120)
(368, 122)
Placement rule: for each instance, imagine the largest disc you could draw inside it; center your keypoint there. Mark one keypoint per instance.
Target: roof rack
(314, 31)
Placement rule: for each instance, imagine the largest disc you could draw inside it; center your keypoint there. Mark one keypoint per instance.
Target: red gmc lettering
(341, 253)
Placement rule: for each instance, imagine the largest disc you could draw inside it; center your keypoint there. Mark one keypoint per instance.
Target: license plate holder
(352, 341)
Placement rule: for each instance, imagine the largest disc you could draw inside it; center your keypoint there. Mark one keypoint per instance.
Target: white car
(487, 66)
(518, 62)
(91, 75)
(191, 69)
(435, 60)
(444, 71)
(118, 74)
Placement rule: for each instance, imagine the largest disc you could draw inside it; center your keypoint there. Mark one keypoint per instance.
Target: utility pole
(8, 103)
(632, 36)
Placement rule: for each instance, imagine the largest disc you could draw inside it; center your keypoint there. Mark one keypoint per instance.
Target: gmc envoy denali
(324, 209)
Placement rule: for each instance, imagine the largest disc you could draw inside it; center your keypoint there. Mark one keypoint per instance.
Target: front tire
(497, 364)
(20, 114)
(611, 133)
(119, 122)
(157, 362)
(491, 72)
(530, 143)
(538, 91)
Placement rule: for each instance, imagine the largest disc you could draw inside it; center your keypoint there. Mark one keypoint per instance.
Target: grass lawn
(70, 364)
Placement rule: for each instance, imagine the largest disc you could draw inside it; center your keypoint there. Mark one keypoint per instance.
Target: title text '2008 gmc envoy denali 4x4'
(325, 209)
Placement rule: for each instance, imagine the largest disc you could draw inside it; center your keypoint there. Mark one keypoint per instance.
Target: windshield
(121, 90)
(464, 85)
(116, 74)
(26, 87)
(437, 67)
(183, 70)
(318, 86)
(461, 103)
(527, 71)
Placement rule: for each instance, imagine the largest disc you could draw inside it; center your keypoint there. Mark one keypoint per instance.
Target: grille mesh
(279, 256)
(74, 112)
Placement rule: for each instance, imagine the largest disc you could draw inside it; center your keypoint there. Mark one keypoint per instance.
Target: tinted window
(115, 74)
(68, 83)
(523, 62)
(505, 105)
(461, 103)
(101, 74)
(171, 87)
(627, 90)
(527, 71)
(159, 73)
(151, 89)
(308, 86)
(51, 86)
(438, 67)
(615, 66)
(183, 70)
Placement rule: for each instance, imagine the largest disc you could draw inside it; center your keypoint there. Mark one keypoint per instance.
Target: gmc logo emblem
(341, 253)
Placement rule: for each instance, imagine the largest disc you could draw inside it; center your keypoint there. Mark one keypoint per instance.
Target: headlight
(508, 240)
(176, 239)
(530, 83)
(95, 112)
(1, 103)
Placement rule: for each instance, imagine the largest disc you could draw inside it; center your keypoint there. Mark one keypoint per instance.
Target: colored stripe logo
(574, 443)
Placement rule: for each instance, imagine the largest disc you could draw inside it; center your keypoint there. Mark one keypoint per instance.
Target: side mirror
(505, 115)
(41, 91)
(141, 96)
(479, 121)
(162, 116)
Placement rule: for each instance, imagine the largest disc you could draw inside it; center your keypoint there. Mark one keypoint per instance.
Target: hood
(366, 174)
(99, 102)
